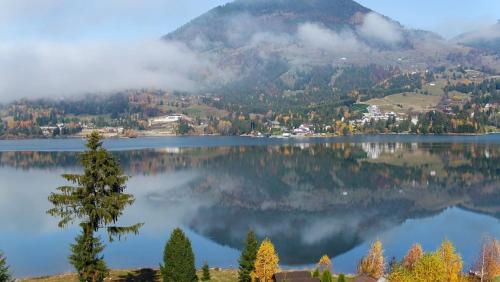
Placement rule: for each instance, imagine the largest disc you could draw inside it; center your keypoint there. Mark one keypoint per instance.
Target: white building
(165, 119)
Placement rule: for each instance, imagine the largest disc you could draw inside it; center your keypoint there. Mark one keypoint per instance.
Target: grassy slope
(148, 275)
(412, 101)
(137, 275)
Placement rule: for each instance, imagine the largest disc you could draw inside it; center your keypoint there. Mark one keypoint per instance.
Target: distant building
(164, 119)
(168, 120)
(304, 129)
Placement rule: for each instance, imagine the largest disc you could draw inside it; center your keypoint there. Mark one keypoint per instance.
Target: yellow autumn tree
(429, 268)
(488, 261)
(413, 255)
(399, 273)
(266, 262)
(325, 264)
(452, 261)
(373, 264)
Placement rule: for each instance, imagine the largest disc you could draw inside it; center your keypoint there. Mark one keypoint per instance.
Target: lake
(309, 196)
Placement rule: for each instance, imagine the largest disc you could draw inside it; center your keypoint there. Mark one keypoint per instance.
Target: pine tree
(373, 264)
(266, 262)
(4, 269)
(206, 272)
(247, 258)
(341, 278)
(178, 259)
(326, 276)
(87, 249)
(97, 201)
(316, 273)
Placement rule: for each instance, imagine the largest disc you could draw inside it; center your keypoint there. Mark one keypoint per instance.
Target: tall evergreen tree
(178, 259)
(247, 258)
(4, 269)
(326, 276)
(206, 272)
(96, 201)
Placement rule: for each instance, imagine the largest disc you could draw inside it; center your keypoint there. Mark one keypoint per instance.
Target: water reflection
(309, 198)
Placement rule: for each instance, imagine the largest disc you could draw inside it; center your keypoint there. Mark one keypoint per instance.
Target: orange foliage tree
(373, 264)
(488, 261)
(325, 264)
(414, 254)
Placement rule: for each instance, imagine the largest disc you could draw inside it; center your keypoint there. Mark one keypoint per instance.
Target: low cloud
(325, 39)
(51, 69)
(381, 29)
(483, 32)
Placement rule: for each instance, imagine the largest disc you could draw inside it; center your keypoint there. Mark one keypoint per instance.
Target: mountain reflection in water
(310, 199)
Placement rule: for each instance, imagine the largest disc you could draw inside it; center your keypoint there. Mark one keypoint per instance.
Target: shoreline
(319, 135)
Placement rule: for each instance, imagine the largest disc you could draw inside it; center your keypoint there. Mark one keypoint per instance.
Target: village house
(304, 129)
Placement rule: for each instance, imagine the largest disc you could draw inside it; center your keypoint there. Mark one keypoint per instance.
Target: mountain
(233, 23)
(487, 39)
(271, 46)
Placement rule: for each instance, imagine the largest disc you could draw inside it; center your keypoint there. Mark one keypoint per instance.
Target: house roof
(294, 276)
(364, 278)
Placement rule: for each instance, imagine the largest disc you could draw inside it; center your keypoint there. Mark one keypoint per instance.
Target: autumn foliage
(487, 265)
(443, 265)
(266, 262)
(325, 264)
(373, 264)
(414, 254)
(452, 261)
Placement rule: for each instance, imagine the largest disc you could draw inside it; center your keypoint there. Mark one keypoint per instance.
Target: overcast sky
(75, 20)
(55, 48)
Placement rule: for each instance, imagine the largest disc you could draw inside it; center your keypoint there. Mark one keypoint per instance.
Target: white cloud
(379, 28)
(325, 39)
(50, 69)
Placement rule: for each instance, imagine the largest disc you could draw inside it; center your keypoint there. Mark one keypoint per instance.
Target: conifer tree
(373, 264)
(316, 273)
(178, 259)
(341, 278)
(247, 258)
(96, 201)
(5, 275)
(206, 272)
(266, 262)
(326, 276)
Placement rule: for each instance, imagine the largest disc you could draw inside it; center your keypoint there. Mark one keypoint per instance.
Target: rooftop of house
(294, 276)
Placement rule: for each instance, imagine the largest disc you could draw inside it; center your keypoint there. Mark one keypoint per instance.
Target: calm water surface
(310, 196)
